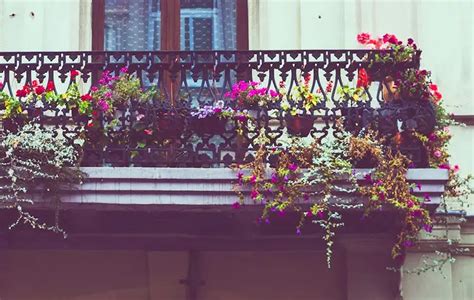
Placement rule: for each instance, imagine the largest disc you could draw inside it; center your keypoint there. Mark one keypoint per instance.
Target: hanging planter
(299, 125)
(170, 124)
(212, 125)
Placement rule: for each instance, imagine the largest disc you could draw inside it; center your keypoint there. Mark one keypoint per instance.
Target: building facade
(216, 254)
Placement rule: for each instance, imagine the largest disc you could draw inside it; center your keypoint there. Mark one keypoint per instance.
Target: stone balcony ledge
(199, 186)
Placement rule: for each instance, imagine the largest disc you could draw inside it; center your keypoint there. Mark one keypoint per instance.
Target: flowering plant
(35, 159)
(218, 110)
(400, 52)
(251, 95)
(301, 100)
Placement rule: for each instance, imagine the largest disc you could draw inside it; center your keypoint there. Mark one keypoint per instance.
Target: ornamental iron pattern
(198, 78)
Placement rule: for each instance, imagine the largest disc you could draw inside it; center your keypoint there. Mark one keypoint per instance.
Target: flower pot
(170, 125)
(299, 125)
(212, 125)
(379, 71)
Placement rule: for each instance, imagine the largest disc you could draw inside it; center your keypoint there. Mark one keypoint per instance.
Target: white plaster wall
(45, 25)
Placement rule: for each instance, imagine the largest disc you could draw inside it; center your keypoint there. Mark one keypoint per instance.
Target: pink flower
(103, 105)
(254, 194)
(140, 116)
(94, 89)
(455, 168)
(124, 70)
(148, 131)
(253, 179)
(444, 166)
(437, 154)
(292, 167)
(1, 85)
(273, 94)
(363, 38)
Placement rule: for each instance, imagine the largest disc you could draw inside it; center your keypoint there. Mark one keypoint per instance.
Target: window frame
(170, 25)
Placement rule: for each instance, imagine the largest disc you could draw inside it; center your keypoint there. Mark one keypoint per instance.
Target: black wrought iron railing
(188, 80)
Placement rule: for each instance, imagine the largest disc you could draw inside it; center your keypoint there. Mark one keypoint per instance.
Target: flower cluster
(36, 159)
(301, 100)
(251, 94)
(218, 109)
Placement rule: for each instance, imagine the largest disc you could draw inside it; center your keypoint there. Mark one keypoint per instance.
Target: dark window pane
(208, 25)
(132, 24)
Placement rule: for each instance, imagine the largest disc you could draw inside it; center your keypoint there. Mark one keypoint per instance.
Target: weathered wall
(81, 275)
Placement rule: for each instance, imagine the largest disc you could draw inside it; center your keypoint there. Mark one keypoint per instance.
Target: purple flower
(368, 178)
(274, 178)
(408, 243)
(298, 231)
(428, 228)
(253, 179)
(427, 197)
(292, 167)
(320, 214)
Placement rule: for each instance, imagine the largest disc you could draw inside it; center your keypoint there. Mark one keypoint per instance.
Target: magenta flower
(274, 178)
(254, 194)
(103, 105)
(236, 205)
(273, 94)
(292, 167)
(124, 70)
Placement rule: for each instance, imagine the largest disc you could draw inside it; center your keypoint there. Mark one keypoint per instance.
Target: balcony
(175, 163)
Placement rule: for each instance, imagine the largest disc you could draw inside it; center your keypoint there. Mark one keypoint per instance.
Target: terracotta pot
(389, 90)
(299, 125)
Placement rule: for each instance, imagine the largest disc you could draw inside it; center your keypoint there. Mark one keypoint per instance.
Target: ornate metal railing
(198, 78)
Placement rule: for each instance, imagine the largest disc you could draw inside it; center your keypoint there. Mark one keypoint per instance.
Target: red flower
(433, 87)
(437, 96)
(362, 79)
(90, 123)
(34, 83)
(363, 38)
(1, 85)
(390, 38)
(21, 93)
(50, 86)
(86, 97)
(328, 86)
(74, 73)
(39, 90)
(148, 131)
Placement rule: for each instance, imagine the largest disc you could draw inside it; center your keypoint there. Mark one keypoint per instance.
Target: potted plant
(251, 96)
(211, 119)
(299, 106)
(395, 57)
